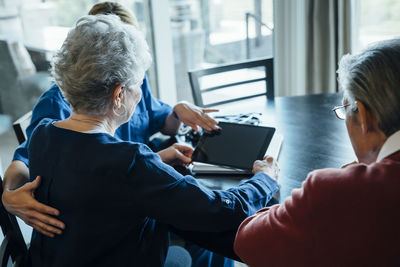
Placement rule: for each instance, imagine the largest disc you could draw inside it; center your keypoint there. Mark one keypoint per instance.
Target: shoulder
(51, 105)
(133, 157)
(52, 101)
(359, 180)
(330, 179)
(145, 87)
(356, 174)
(45, 123)
(53, 94)
(144, 152)
(147, 96)
(139, 150)
(40, 132)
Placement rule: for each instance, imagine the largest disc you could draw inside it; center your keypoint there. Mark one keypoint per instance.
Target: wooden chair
(13, 248)
(232, 82)
(20, 126)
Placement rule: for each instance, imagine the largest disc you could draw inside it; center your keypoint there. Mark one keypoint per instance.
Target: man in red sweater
(348, 216)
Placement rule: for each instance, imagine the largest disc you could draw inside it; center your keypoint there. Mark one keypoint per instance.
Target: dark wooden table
(313, 137)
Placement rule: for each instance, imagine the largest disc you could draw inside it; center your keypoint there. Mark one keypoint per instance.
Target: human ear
(366, 119)
(118, 95)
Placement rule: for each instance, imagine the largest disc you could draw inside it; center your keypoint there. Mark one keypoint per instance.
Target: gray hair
(100, 53)
(373, 78)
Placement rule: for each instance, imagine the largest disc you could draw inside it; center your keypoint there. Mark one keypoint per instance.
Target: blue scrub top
(148, 118)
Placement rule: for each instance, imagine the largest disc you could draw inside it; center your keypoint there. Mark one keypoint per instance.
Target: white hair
(373, 78)
(99, 53)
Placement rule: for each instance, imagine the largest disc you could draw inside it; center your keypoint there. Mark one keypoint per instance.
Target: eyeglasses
(340, 111)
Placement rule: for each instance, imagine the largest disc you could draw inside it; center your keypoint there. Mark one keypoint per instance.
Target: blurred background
(183, 35)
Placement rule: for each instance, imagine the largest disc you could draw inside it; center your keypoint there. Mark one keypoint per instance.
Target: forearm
(171, 125)
(16, 175)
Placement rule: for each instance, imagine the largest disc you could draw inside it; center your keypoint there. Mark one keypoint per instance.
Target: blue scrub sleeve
(158, 111)
(50, 105)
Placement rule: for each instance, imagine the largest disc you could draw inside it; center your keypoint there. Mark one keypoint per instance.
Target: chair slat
(196, 75)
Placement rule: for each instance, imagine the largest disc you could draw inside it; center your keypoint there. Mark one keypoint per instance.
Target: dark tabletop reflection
(313, 137)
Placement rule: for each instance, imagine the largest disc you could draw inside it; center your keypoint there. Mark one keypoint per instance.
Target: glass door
(208, 33)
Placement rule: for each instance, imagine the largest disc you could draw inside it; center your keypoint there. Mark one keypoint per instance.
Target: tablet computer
(236, 145)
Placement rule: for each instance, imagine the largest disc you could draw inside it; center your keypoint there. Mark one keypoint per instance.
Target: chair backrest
(13, 246)
(20, 85)
(233, 82)
(8, 69)
(20, 126)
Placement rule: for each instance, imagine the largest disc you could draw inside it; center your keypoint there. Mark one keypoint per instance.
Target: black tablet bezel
(260, 154)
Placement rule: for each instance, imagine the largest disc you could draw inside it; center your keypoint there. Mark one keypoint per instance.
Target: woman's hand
(268, 166)
(21, 203)
(195, 116)
(177, 155)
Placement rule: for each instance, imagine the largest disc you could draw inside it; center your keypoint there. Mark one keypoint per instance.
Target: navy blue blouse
(149, 117)
(118, 199)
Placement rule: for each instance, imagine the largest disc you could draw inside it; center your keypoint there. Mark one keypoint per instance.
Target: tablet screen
(236, 145)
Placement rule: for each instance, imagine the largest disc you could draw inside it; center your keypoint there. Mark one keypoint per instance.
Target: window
(207, 33)
(376, 20)
(47, 22)
(67, 12)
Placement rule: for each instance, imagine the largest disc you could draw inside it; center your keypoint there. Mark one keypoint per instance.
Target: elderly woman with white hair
(348, 216)
(118, 198)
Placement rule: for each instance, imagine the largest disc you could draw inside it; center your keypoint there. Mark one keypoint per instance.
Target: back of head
(99, 53)
(107, 8)
(373, 78)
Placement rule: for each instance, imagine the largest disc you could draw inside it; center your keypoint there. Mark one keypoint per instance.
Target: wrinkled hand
(195, 116)
(268, 166)
(21, 202)
(177, 155)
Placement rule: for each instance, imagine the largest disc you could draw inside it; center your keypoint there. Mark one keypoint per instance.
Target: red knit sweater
(340, 217)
